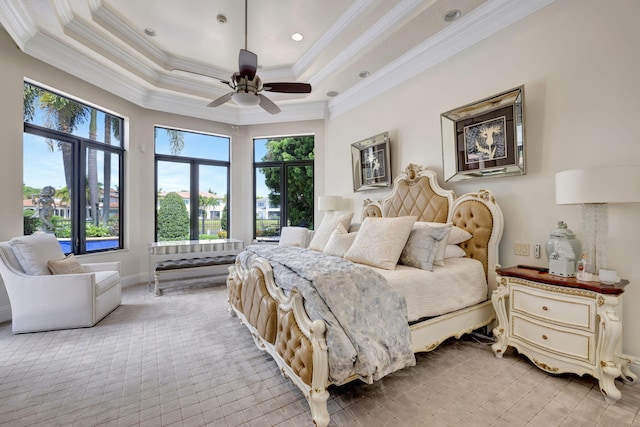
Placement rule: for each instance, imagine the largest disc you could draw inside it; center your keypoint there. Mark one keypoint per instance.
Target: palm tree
(62, 114)
(92, 170)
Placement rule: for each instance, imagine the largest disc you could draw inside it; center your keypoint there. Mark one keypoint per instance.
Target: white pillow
(340, 241)
(328, 224)
(458, 235)
(34, 251)
(423, 246)
(294, 236)
(379, 241)
(454, 251)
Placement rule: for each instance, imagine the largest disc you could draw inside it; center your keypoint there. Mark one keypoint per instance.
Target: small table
(563, 325)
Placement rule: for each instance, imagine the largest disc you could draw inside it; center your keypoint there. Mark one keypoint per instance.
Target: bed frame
(281, 327)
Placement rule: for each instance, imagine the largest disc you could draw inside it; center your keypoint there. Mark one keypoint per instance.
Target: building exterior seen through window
(283, 184)
(192, 185)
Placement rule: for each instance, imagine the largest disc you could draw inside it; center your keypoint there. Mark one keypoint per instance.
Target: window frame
(79, 149)
(194, 180)
(284, 165)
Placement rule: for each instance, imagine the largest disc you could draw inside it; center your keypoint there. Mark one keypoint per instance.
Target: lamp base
(562, 268)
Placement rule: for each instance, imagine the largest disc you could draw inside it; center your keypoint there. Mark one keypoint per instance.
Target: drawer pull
(544, 337)
(545, 308)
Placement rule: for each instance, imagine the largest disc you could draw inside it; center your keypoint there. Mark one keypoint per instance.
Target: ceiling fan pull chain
(246, 25)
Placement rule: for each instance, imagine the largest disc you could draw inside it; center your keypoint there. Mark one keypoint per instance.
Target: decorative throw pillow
(340, 241)
(379, 241)
(422, 246)
(33, 252)
(294, 236)
(328, 224)
(458, 235)
(441, 244)
(66, 265)
(454, 251)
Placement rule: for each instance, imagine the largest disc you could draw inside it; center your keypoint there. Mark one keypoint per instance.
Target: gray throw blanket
(367, 329)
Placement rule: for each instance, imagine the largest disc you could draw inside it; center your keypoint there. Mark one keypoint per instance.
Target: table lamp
(329, 203)
(595, 189)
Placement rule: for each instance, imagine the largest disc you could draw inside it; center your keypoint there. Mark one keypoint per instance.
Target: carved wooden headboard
(416, 192)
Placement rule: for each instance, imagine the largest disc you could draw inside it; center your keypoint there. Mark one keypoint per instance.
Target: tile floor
(180, 360)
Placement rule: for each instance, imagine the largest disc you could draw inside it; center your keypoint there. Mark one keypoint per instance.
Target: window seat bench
(196, 267)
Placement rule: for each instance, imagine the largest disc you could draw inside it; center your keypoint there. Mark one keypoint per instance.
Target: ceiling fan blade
(226, 82)
(221, 100)
(247, 64)
(268, 104)
(287, 87)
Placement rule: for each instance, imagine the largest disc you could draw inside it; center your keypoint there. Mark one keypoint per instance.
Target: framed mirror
(371, 165)
(485, 138)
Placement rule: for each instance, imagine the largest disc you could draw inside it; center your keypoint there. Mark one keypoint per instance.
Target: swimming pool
(92, 245)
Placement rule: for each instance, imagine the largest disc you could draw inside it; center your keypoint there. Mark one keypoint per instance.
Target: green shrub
(173, 219)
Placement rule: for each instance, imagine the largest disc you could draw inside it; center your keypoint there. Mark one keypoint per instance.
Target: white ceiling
(104, 43)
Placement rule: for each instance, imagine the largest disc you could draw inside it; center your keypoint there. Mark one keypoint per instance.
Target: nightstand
(563, 325)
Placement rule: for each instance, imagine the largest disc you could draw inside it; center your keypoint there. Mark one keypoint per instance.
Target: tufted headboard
(416, 192)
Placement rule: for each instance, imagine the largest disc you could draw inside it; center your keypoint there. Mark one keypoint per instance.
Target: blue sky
(44, 166)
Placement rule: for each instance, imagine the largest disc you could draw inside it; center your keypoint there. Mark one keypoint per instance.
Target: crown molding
(17, 21)
(138, 81)
(368, 38)
(483, 22)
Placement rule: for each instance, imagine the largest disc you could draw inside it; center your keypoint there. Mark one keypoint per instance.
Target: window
(192, 185)
(72, 172)
(283, 186)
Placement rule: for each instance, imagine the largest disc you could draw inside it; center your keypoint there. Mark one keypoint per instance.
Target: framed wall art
(371, 163)
(485, 139)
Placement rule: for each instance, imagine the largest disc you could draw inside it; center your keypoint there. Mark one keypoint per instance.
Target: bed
(446, 298)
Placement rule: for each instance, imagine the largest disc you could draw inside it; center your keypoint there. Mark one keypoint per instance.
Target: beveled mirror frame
(485, 138)
(371, 163)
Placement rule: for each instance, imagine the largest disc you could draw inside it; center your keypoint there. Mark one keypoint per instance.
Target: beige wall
(576, 59)
(577, 62)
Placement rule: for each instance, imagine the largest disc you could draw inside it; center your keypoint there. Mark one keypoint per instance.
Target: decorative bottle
(582, 269)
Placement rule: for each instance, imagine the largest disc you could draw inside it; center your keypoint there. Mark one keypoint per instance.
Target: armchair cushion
(34, 251)
(66, 265)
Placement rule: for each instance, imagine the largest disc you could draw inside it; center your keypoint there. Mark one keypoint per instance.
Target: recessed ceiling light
(150, 32)
(297, 37)
(332, 93)
(364, 74)
(452, 15)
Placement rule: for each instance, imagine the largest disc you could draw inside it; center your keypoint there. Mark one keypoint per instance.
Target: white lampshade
(595, 189)
(246, 99)
(614, 184)
(329, 203)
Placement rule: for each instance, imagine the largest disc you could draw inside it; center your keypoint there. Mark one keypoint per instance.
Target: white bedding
(459, 284)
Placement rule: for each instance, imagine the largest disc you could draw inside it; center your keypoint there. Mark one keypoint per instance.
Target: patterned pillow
(379, 241)
(423, 246)
(340, 241)
(328, 224)
(66, 265)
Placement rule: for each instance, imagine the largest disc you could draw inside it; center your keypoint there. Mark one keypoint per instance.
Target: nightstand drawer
(563, 309)
(561, 341)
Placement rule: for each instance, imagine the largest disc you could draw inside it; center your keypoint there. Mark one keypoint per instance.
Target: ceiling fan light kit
(245, 99)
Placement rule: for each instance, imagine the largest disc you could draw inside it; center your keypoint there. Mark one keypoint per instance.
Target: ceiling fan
(247, 86)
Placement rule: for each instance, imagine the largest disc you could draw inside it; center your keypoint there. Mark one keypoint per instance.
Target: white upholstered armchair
(49, 291)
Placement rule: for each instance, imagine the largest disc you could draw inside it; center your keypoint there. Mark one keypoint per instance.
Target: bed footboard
(281, 327)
